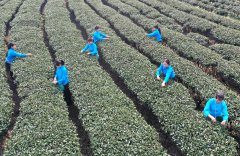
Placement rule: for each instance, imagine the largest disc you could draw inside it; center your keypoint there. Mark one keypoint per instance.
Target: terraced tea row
(7, 97)
(224, 8)
(203, 14)
(8, 12)
(43, 123)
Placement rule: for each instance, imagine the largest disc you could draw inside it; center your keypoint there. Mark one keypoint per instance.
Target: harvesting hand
(163, 84)
(213, 119)
(223, 122)
(55, 81)
(158, 78)
(29, 54)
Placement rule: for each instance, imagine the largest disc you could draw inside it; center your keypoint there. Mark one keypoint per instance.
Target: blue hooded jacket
(167, 72)
(62, 75)
(156, 34)
(216, 109)
(12, 54)
(98, 36)
(92, 48)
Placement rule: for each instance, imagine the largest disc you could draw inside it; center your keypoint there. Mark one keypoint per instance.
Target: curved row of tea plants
(6, 13)
(114, 125)
(138, 73)
(229, 52)
(220, 20)
(200, 39)
(224, 8)
(6, 102)
(43, 127)
(5, 97)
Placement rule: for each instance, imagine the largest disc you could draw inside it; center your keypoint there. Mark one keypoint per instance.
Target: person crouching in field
(156, 33)
(167, 71)
(11, 55)
(98, 35)
(61, 79)
(92, 47)
(216, 109)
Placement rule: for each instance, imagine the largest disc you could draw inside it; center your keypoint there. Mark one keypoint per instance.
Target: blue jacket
(216, 109)
(167, 72)
(12, 54)
(98, 36)
(92, 48)
(156, 34)
(62, 75)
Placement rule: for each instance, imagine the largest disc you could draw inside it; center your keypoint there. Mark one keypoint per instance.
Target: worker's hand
(158, 78)
(81, 52)
(146, 34)
(213, 119)
(223, 122)
(55, 81)
(29, 54)
(163, 84)
(88, 54)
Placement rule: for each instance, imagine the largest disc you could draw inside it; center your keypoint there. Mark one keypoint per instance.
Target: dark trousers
(8, 69)
(67, 95)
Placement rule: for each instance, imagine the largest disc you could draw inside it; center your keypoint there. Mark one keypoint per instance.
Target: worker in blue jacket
(98, 35)
(11, 55)
(167, 71)
(61, 79)
(92, 47)
(216, 109)
(156, 32)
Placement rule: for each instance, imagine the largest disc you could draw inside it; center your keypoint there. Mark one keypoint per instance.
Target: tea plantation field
(119, 107)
